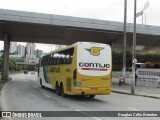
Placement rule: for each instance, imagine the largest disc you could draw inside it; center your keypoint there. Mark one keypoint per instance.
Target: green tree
(12, 64)
(1, 60)
(117, 59)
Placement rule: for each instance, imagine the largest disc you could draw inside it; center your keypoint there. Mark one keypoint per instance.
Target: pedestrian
(120, 80)
(136, 79)
(158, 82)
(136, 76)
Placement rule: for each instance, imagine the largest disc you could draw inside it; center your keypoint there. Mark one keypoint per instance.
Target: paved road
(24, 93)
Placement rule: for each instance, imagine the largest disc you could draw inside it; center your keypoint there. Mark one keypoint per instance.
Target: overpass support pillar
(5, 65)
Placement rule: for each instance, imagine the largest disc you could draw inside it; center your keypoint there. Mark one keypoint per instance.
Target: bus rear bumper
(92, 91)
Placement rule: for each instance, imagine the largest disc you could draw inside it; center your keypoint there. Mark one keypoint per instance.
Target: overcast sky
(112, 10)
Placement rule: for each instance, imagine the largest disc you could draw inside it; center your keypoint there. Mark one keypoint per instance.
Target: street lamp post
(124, 42)
(144, 18)
(146, 5)
(134, 48)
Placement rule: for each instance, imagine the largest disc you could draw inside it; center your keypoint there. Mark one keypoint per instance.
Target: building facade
(13, 47)
(21, 50)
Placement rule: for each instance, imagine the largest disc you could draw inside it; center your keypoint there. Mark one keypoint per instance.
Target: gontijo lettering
(94, 65)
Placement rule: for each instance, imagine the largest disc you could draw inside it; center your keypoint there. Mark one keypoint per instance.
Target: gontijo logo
(95, 51)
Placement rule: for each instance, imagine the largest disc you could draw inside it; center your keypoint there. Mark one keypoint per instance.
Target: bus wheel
(41, 83)
(91, 96)
(62, 91)
(58, 90)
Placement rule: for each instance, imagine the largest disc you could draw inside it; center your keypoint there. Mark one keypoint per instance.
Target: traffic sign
(134, 61)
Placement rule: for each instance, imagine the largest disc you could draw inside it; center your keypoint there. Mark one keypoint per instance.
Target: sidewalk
(145, 91)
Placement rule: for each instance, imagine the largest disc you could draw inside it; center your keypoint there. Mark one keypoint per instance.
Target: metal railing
(141, 81)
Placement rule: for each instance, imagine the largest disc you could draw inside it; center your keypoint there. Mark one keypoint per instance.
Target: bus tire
(58, 90)
(41, 83)
(92, 96)
(62, 91)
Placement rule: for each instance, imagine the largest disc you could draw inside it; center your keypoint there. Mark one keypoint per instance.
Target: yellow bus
(83, 68)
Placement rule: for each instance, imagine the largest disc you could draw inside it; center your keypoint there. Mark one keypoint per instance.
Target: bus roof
(70, 46)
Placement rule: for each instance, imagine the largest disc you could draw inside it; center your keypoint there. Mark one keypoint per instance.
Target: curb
(120, 92)
(1, 85)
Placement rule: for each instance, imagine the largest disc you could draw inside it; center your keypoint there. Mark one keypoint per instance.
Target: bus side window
(51, 59)
(58, 61)
(69, 55)
(69, 60)
(61, 59)
(55, 59)
(47, 60)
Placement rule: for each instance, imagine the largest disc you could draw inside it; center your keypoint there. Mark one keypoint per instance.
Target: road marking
(46, 95)
(134, 109)
(88, 115)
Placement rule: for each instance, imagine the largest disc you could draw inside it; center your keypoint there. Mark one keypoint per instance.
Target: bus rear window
(62, 57)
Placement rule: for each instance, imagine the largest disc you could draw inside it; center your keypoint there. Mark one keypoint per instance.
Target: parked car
(26, 72)
(32, 72)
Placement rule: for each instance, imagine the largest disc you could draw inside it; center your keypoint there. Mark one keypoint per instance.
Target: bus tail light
(75, 81)
(74, 77)
(75, 74)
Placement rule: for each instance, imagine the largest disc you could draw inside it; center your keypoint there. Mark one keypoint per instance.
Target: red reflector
(85, 68)
(95, 69)
(75, 74)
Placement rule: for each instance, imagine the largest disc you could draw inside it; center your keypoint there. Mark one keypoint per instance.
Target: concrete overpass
(54, 29)
(25, 65)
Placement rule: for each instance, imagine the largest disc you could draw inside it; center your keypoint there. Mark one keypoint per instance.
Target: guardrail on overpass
(23, 63)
